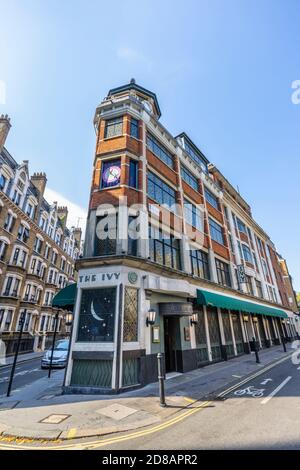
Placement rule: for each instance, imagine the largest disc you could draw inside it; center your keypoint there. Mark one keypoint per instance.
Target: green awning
(232, 303)
(65, 298)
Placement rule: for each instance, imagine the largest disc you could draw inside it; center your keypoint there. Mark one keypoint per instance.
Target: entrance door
(214, 333)
(170, 331)
(262, 333)
(271, 329)
(227, 333)
(238, 334)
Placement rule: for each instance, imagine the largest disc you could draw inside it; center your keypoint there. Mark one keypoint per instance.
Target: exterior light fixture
(150, 320)
(69, 318)
(194, 319)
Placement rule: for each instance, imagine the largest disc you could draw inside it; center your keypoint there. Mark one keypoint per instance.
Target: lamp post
(53, 343)
(69, 322)
(21, 327)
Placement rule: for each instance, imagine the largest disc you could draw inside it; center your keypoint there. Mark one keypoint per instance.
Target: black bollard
(161, 379)
(283, 343)
(256, 351)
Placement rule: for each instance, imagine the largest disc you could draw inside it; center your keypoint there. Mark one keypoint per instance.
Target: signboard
(241, 274)
(155, 334)
(111, 173)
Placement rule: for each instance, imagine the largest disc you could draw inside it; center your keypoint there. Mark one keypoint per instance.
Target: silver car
(60, 355)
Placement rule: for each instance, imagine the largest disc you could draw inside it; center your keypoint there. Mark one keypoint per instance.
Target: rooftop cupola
(148, 98)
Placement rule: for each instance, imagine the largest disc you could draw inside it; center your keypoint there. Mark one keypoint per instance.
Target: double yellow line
(113, 440)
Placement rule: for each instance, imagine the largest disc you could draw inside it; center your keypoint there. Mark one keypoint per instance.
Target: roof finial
(132, 81)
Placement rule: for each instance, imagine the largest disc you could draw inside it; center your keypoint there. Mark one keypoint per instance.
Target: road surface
(25, 373)
(264, 416)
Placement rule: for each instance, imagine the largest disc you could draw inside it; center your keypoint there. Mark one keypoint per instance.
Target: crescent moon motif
(94, 314)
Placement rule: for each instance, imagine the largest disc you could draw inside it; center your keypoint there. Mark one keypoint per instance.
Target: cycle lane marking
(276, 390)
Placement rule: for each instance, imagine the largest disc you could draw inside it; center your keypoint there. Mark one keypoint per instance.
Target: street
(241, 421)
(259, 410)
(25, 374)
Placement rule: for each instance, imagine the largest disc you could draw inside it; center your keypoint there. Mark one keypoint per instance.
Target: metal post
(69, 352)
(53, 345)
(12, 373)
(283, 343)
(161, 379)
(256, 351)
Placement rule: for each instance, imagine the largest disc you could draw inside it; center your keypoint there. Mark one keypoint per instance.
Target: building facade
(37, 253)
(173, 260)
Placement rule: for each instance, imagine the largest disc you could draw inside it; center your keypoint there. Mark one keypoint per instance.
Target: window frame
(113, 123)
(213, 229)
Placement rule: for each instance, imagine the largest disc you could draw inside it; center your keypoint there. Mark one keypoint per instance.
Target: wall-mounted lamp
(194, 319)
(150, 320)
(69, 318)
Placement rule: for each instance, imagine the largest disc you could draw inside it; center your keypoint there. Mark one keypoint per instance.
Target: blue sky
(222, 71)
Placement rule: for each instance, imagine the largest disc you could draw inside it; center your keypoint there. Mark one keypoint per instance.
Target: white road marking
(298, 368)
(266, 381)
(272, 394)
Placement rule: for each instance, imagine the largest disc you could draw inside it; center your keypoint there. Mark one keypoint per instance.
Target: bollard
(161, 379)
(256, 351)
(283, 343)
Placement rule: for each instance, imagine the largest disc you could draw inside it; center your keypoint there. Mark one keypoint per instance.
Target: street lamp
(150, 320)
(21, 327)
(53, 343)
(194, 319)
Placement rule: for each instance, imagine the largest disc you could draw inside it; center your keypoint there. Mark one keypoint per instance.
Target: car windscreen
(62, 346)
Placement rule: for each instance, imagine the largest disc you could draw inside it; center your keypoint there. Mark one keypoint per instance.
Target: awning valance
(65, 298)
(233, 303)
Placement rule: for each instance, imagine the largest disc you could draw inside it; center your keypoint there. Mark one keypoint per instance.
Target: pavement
(40, 411)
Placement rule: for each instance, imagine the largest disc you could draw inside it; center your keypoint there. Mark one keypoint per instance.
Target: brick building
(173, 261)
(37, 253)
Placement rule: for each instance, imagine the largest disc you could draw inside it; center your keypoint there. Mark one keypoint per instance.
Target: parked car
(60, 355)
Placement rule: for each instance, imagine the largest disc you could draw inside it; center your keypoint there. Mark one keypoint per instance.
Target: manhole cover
(54, 419)
(116, 411)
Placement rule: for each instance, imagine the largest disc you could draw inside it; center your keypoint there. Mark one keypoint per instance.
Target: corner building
(197, 299)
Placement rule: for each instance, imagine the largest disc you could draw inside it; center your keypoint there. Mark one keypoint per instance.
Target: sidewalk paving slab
(97, 415)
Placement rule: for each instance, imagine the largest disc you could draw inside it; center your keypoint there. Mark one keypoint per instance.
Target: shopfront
(114, 343)
(124, 317)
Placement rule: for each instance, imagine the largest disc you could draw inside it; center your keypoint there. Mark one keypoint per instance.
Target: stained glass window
(130, 328)
(97, 315)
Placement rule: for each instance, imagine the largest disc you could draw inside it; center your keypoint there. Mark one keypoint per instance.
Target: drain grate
(54, 419)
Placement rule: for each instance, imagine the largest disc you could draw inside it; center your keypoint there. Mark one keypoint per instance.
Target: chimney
(62, 214)
(5, 126)
(39, 180)
(77, 235)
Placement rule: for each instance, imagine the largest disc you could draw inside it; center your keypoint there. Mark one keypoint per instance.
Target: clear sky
(222, 71)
